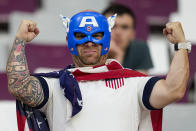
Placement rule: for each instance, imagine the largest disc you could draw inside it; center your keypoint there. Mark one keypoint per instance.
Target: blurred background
(152, 15)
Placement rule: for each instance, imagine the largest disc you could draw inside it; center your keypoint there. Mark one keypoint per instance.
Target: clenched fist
(27, 30)
(174, 32)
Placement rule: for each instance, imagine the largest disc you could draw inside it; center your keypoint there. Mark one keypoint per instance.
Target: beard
(89, 55)
(112, 54)
(80, 61)
(89, 60)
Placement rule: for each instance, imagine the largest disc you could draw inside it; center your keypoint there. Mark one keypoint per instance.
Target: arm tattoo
(20, 84)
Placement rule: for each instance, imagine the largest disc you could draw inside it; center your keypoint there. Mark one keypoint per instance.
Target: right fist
(27, 30)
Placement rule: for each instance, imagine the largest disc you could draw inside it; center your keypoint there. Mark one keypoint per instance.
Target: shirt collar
(97, 69)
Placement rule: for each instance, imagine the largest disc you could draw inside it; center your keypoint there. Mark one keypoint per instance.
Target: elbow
(11, 91)
(179, 95)
(11, 86)
(181, 88)
(176, 93)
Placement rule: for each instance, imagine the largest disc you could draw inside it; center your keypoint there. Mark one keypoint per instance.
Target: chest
(103, 105)
(112, 94)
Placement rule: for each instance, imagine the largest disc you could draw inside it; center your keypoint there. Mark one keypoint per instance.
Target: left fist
(174, 32)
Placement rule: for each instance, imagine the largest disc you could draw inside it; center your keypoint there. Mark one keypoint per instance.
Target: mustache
(94, 48)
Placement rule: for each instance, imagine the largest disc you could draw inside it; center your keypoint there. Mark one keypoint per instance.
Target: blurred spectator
(131, 53)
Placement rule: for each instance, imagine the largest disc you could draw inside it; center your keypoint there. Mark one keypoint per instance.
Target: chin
(91, 62)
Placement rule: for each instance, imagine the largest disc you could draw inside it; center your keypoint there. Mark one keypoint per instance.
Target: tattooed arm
(21, 85)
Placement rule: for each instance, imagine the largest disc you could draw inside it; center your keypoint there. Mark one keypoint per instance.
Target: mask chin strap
(111, 21)
(66, 21)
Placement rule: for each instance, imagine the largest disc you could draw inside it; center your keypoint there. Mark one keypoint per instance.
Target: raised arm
(174, 87)
(21, 85)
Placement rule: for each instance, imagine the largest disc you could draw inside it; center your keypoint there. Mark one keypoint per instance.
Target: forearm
(177, 78)
(17, 69)
(20, 84)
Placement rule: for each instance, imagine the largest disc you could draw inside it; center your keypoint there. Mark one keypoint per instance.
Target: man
(131, 53)
(97, 94)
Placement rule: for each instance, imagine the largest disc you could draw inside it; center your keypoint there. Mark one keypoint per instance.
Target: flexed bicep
(30, 92)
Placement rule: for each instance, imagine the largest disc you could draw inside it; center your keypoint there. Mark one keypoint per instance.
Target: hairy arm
(174, 86)
(21, 85)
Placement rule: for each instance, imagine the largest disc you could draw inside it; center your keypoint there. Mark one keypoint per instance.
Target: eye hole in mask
(79, 35)
(98, 35)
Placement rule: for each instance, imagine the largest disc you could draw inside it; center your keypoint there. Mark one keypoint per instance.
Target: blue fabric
(36, 120)
(147, 92)
(88, 23)
(70, 86)
(45, 90)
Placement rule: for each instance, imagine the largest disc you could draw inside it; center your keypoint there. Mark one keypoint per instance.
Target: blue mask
(88, 23)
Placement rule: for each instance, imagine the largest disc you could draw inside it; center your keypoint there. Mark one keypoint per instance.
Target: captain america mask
(88, 24)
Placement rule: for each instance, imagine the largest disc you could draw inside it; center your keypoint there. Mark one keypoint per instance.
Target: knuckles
(174, 24)
(25, 22)
(177, 23)
(25, 28)
(29, 22)
(174, 32)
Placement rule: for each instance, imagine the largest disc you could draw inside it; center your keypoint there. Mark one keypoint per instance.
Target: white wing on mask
(66, 21)
(111, 21)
